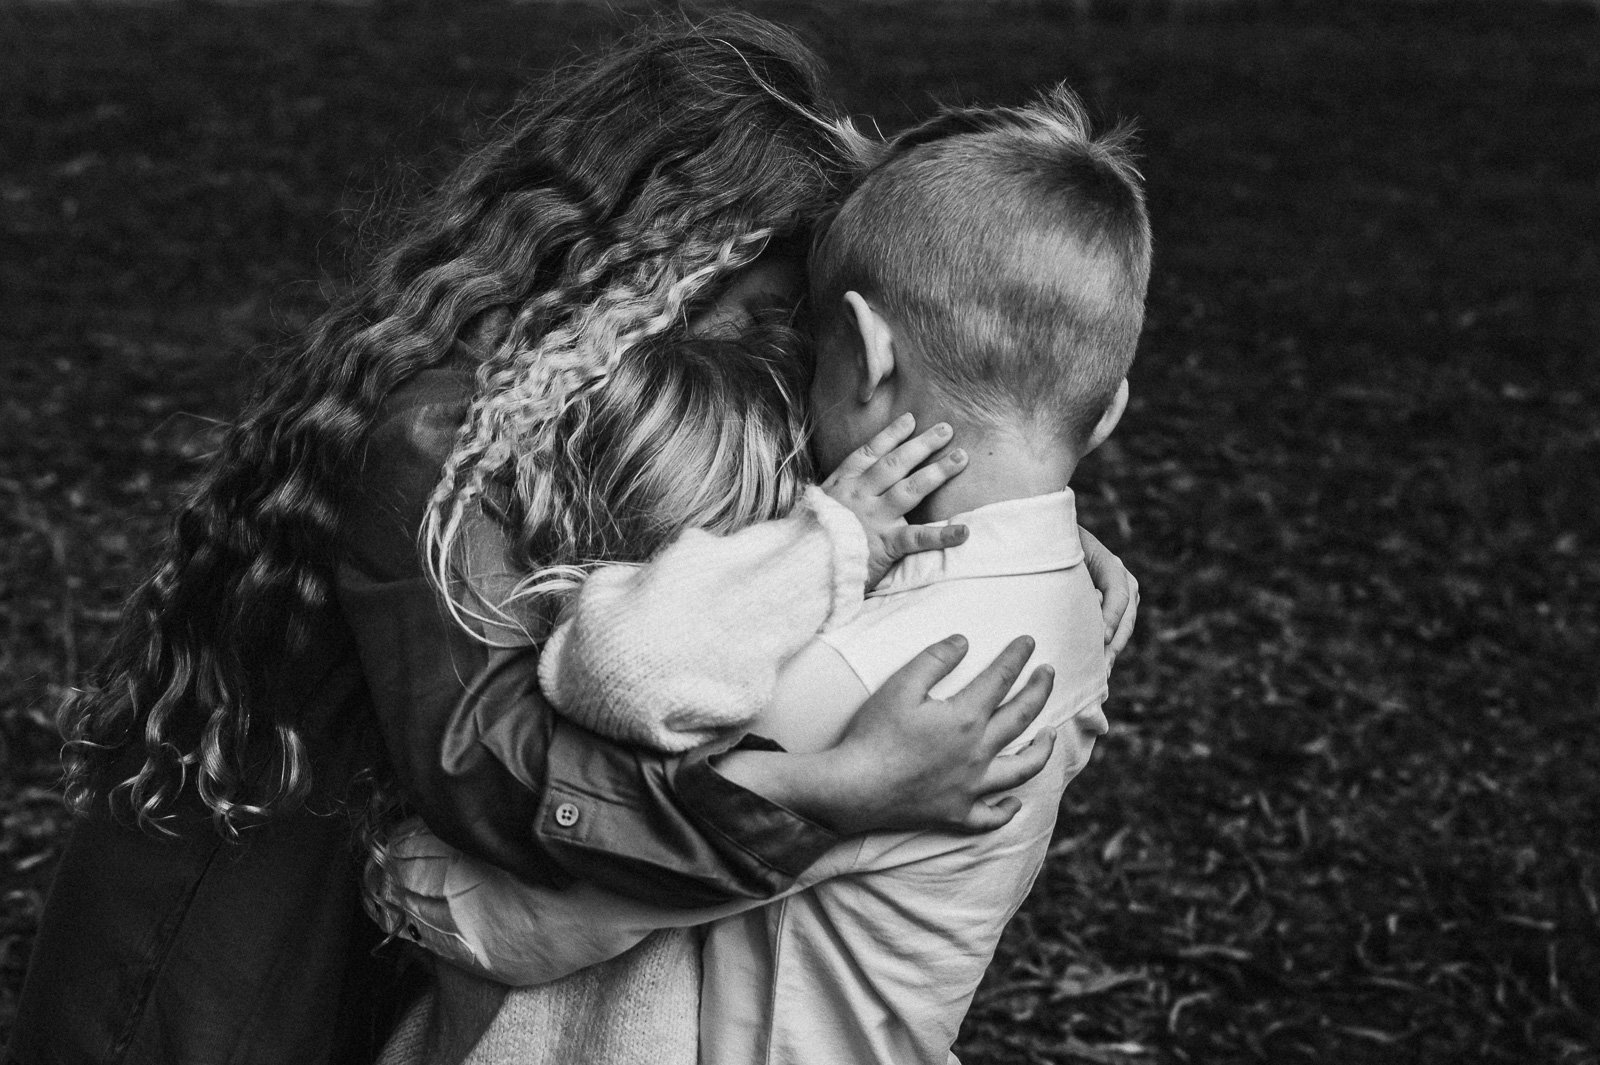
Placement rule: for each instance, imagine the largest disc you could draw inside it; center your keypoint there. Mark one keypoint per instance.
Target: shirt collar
(1032, 535)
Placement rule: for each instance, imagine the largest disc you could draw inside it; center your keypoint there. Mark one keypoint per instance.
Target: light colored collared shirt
(877, 961)
(873, 955)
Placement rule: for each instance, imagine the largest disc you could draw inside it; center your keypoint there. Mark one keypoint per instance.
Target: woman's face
(774, 281)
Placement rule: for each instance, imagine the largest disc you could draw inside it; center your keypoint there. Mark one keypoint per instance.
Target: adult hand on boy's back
(885, 479)
(1119, 593)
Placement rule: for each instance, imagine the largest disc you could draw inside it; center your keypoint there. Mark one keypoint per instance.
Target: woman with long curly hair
(343, 621)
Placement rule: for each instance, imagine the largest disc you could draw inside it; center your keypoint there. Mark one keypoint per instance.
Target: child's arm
(483, 919)
(686, 649)
(486, 920)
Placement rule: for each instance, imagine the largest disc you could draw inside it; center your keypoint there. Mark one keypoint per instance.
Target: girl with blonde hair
(346, 616)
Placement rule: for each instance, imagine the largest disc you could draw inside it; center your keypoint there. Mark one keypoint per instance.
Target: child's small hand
(881, 483)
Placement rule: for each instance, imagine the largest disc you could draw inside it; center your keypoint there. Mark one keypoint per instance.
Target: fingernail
(958, 456)
(942, 429)
(904, 419)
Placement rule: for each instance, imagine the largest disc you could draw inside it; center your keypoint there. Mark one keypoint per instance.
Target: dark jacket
(195, 949)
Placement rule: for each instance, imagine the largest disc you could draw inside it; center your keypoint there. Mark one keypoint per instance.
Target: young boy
(989, 274)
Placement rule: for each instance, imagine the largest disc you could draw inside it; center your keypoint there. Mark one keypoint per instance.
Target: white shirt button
(566, 815)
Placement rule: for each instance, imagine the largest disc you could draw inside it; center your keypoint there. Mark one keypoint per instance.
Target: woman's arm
(475, 748)
(482, 919)
(482, 757)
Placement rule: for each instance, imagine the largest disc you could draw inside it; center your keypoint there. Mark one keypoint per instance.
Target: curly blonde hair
(678, 433)
(613, 431)
(608, 206)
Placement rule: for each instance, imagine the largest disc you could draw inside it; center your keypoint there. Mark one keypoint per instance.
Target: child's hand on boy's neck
(1010, 458)
(864, 379)
(1008, 461)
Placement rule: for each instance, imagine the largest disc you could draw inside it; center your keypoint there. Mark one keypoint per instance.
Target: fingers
(1114, 599)
(1013, 717)
(990, 686)
(1005, 773)
(905, 494)
(1095, 554)
(868, 455)
(1123, 631)
(931, 665)
(1013, 770)
(1119, 593)
(911, 539)
(895, 464)
(988, 816)
(1111, 579)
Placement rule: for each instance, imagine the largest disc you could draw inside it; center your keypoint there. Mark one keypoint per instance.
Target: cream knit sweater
(686, 650)
(678, 652)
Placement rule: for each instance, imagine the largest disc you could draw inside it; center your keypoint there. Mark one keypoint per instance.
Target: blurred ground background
(1350, 810)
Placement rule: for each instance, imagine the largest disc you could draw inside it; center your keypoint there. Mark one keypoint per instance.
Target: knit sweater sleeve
(686, 649)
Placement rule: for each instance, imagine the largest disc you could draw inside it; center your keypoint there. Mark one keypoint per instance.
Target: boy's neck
(1001, 465)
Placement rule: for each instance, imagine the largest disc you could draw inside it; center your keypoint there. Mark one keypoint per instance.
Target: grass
(1349, 808)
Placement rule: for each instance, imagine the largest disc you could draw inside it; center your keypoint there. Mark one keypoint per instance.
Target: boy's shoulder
(1020, 573)
(1059, 608)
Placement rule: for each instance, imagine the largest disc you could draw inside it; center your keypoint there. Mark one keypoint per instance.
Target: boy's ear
(876, 352)
(1109, 417)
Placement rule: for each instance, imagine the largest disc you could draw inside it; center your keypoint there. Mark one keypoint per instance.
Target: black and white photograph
(799, 532)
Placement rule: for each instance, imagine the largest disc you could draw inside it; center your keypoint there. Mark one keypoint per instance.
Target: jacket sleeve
(486, 921)
(685, 650)
(476, 749)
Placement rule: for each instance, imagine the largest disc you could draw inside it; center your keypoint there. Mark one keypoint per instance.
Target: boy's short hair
(1010, 248)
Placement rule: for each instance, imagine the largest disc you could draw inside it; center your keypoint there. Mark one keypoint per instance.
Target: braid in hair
(600, 210)
(513, 432)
